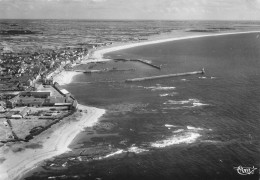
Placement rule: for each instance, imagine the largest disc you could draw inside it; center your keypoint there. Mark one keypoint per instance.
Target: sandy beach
(23, 157)
(65, 77)
(98, 54)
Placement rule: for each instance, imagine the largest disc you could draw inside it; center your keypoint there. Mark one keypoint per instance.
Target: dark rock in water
(16, 32)
(104, 126)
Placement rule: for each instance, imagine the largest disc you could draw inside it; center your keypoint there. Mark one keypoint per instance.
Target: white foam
(168, 94)
(64, 164)
(182, 102)
(159, 88)
(194, 128)
(163, 88)
(119, 151)
(151, 87)
(169, 125)
(52, 177)
(176, 108)
(210, 141)
(187, 138)
(192, 102)
(163, 95)
(178, 130)
(202, 77)
(196, 104)
(132, 149)
(136, 150)
(79, 158)
(175, 102)
(184, 80)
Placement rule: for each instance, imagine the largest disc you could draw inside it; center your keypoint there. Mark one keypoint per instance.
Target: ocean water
(191, 127)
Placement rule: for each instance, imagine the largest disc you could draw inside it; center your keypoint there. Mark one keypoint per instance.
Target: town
(30, 101)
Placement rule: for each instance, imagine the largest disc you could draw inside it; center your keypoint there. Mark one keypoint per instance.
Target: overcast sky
(131, 9)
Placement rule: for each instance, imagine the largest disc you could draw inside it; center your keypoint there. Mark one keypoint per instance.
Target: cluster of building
(18, 71)
(39, 99)
(99, 44)
(25, 74)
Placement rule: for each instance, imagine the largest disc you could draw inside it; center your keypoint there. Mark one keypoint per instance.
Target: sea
(198, 127)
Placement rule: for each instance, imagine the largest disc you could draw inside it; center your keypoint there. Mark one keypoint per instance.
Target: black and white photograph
(129, 89)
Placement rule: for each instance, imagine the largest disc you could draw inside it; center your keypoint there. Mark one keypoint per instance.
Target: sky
(131, 9)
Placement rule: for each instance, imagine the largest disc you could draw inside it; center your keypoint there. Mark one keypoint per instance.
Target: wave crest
(159, 88)
(186, 138)
(190, 102)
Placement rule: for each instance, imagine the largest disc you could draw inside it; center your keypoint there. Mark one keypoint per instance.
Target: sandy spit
(98, 54)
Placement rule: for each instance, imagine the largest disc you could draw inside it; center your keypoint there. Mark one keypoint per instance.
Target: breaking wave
(159, 88)
(178, 131)
(168, 94)
(132, 149)
(184, 135)
(136, 150)
(119, 151)
(197, 129)
(210, 141)
(190, 102)
(202, 77)
(194, 128)
(169, 125)
(187, 138)
(196, 104)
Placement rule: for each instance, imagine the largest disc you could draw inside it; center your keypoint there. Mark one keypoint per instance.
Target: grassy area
(23, 127)
(35, 120)
(5, 130)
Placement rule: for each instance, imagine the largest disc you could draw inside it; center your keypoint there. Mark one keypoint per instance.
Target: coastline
(99, 53)
(66, 77)
(54, 141)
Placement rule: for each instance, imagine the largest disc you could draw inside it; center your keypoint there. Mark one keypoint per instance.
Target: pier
(141, 61)
(165, 76)
(146, 62)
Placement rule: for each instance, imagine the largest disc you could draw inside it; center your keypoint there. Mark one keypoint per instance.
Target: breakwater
(165, 76)
(147, 62)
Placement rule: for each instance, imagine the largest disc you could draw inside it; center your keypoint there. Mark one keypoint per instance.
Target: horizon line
(128, 19)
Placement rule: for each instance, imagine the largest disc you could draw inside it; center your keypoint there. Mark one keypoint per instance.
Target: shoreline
(52, 142)
(99, 53)
(66, 77)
